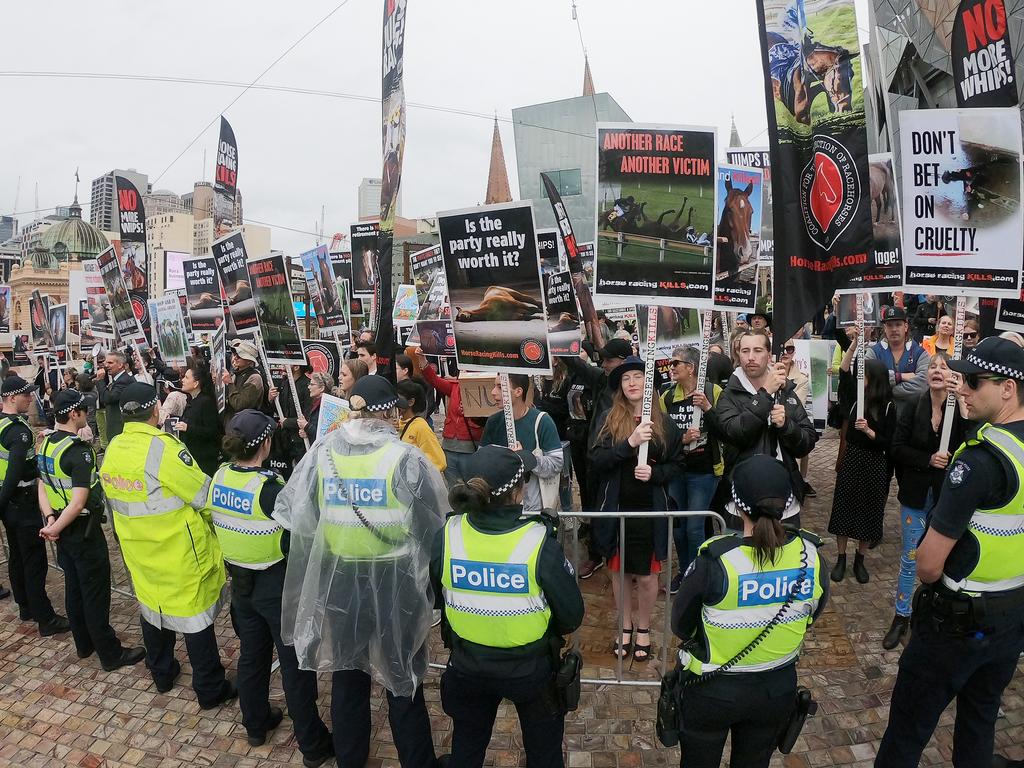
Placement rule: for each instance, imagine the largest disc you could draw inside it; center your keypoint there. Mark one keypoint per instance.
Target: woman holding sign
(626, 486)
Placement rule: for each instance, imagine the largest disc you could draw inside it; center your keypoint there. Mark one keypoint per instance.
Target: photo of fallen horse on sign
(494, 284)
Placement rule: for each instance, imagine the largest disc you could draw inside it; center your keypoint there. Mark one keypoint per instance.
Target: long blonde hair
(621, 421)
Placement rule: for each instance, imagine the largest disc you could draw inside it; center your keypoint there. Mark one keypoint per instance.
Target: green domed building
(72, 240)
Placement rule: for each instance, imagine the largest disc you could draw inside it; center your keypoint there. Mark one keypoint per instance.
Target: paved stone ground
(56, 710)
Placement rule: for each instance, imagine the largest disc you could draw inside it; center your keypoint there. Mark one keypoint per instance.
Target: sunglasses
(970, 335)
(789, 350)
(973, 380)
(680, 362)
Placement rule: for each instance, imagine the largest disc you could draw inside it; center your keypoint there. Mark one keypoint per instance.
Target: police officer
(19, 508)
(242, 497)
(742, 610)
(968, 614)
(158, 496)
(509, 595)
(71, 499)
(363, 508)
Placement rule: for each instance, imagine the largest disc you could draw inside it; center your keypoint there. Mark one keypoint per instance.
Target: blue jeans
(912, 524)
(690, 492)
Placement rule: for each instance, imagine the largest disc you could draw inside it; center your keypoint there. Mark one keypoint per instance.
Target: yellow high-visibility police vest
(248, 536)
(57, 482)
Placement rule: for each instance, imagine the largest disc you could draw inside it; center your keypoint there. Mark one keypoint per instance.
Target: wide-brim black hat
(631, 363)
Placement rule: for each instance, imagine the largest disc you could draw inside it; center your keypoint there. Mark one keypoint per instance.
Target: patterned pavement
(56, 710)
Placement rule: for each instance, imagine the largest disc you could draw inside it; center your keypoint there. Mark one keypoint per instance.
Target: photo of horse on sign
(740, 209)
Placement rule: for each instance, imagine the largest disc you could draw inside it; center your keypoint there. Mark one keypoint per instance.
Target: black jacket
(912, 447)
(606, 460)
(594, 378)
(555, 577)
(109, 391)
(204, 433)
(743, 422)
(19, 501)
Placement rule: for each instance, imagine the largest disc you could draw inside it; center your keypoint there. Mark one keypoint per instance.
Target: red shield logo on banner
(825, 190)
(830, 187)
(318, 360)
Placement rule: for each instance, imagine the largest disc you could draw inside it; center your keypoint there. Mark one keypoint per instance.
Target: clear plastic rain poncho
(362, 508)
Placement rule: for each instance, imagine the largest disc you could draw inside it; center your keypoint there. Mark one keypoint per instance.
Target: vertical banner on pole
(506, 407)
(958, 347)
(225, 182)
(862, 344)
(131, 251)
(702, 367)
(650, 353)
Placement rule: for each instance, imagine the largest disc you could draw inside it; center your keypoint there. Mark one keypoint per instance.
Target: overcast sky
(672, 61)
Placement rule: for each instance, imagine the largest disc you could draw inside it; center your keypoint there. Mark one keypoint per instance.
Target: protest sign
(494, 284)
(406, 307)
(550, 252)
(225, 183)
(100, 315)
(126, 322)
(323, 290)
(323, 356)
(874, 305)
(364, 241)
(759, 158)
(819, 156)
(169, 329)
(981, 55)
(5, 309)
(59, 331)
(218, 364)
(131, 249)
(341, 264)
(39, 317)
(886, 262)
(1010, 315)
(202, 291)
(962, 223)
(738, 215)
(424, 266)
(278, 327)
(183, 306)
(433, 331)
(677, 327)
(230, 256)
(655, 214)
(563, 314)
(333, 413)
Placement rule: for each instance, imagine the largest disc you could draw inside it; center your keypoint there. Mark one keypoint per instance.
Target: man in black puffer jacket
(759, 413)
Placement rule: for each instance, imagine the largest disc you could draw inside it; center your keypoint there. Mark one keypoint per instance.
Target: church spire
(588, 80)
(734, 135)
(497, 176)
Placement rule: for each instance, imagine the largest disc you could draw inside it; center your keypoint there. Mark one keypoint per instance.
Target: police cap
(15, 385)
(68, 400)
(252, 426)
(1000, 357)
(501, 467)
(762, 487)
(138, 398)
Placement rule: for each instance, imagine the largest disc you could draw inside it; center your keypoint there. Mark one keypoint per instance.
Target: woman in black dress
(862, 484)
(625, 486)
(200, 427)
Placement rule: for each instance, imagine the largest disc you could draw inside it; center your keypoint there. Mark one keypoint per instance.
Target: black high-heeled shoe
(622, 648)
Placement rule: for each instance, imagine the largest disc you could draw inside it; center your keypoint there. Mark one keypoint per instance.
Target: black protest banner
(759, 158)
(655, 214)
(1010, 315)
(578, 256)
(962, 221)
(364, 239)
(229, 253)
(323, 292)
(202, 291)
(886, 270)
(550, 254)
(276, 312)
(323, 356)
(225, 181)
(126, 323)
(132, 255)
(563, 314)
(493, 275)
(981, 55)
(100, 314)
(819, 156)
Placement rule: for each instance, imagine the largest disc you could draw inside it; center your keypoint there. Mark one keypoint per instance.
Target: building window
(566, 182)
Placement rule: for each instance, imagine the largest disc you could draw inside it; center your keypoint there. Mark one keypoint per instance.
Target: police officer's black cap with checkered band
(993, 356)
(254, 426)
(68, 400)
(760, 479)
(15, 385)
(138, 398)
(501, 467)
(374, 394)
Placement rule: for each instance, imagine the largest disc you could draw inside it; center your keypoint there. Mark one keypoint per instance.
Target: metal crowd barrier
(569, 524)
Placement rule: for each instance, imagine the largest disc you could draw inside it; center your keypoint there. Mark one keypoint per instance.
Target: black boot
(897, 630)
(839, 569)
(859, 570)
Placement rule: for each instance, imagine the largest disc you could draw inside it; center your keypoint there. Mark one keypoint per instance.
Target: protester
(802, 390)
(247, 386)
(536, 433)
(70, 376)
(625, 485)
(200, 426)
(694, 489)
(942, 341)
(759, 413)
(862, 484)
(413, 428)
(363, 509)
(972, 333)
(499, 651)
(906, 360)
(351, 371)
(88, 389)
(461, 434)
(926, 317)
(366, 351)
(920, 469)
(720, 365)
(756, 699)
(173, 405)
(111, 381)
(308, 421)
(405, 368)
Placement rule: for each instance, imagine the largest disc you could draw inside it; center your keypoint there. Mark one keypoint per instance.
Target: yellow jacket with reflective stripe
(1000, 531)
(158, 496)
(56, 482)
(248, 536)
